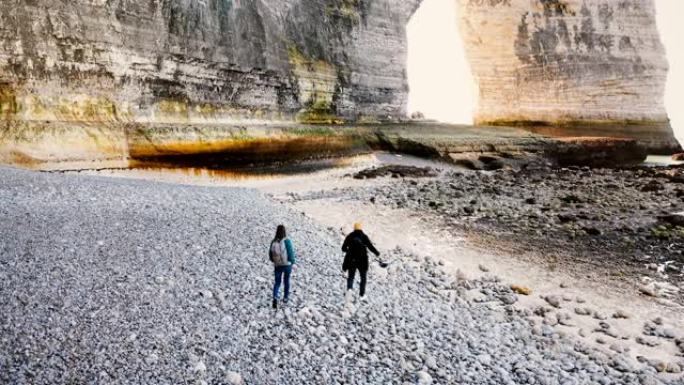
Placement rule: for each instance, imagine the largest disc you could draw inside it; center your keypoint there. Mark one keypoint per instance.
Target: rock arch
(76, 77)
(577, 66)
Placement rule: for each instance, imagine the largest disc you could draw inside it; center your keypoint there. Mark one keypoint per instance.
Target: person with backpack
(356, 246)
(282, 254)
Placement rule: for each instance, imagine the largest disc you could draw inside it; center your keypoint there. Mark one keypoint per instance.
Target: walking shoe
(275, 303)
(285, 301)
(348, 296)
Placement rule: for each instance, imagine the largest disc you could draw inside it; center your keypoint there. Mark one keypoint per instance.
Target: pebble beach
(119, 281)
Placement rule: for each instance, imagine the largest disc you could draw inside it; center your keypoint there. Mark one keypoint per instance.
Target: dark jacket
(356, 247)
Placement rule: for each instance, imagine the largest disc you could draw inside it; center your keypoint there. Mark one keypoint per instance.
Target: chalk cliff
(70, 70)
(580, 66)
(86, 79)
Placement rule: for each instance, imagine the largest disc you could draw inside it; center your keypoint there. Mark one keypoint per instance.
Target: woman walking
(356, 247)
(283, 256)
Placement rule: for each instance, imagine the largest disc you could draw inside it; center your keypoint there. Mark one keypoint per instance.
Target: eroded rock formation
(587, 66)
(86, 79)
(74, 70)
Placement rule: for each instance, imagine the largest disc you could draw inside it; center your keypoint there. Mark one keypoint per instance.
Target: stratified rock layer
(586, 66)
(188, 61)
(183, 60)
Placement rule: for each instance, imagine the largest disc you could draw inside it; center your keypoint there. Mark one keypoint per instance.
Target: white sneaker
(349, 296)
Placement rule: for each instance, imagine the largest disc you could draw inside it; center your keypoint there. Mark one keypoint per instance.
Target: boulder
(597, 152)
(524, 290)
(674, 219)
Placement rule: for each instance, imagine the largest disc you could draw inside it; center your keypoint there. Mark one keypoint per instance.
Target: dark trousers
(350, 280)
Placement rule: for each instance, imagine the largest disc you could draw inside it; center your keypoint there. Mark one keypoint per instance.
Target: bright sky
(440, 80)
(441, 86)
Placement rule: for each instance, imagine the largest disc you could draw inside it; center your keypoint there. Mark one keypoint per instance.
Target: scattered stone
(542, 311)
(199, 367)
(647, 342)
(431, 363)
(649, 289)
(674, 219)
(550, 320)
(652, 186)
(234, 378)
(565, 319)
(553, 300)
(547, 330)
(680, 344)
(592, 231)
(508, 299)
(571, 198)
(524, 290)
(567, 218)
(622, 364)
(395, 170)
(651, 329)
(599, 316)
(659, 365)
(483, 268)
(620, 314)
(152, 359)
(424, 378)
(583, 311)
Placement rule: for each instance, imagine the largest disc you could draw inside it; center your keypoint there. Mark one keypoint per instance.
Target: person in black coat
(356, 247)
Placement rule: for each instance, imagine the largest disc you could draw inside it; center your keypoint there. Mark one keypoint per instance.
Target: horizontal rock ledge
(657, 137)
(59, 145)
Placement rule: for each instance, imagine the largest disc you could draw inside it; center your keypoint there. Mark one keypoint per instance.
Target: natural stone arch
(593, 67)
(76, 76)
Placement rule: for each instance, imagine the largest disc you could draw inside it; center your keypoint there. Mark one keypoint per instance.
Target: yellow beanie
(357, 226)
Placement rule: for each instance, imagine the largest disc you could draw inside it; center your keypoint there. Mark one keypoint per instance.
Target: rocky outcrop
(111, 63)
(596, 152)
(574, 67)
(188, 60)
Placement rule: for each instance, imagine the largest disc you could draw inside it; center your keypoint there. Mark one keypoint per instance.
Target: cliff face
(99, 64)
(78, 77)
(180, 60)
(586, 66)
